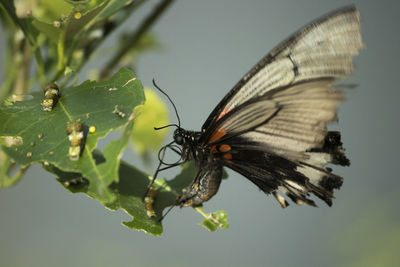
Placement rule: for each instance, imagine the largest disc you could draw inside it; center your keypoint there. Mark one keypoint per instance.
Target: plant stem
(6, 166)
(60, 55)
(21, 81)
(10, 71)
(200, 210)
(135, 37)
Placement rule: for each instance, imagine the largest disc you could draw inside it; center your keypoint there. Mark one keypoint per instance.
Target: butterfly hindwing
(273, 173)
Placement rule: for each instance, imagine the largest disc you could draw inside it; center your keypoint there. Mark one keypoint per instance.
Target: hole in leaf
(12, 141)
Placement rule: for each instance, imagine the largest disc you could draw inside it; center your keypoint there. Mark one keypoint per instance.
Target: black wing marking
(322, 49)
(296, 179)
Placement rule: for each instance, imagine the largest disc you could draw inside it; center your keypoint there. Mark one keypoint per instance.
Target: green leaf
(71, 24)
(48, 29)
(75, 25)
(39, 136)
(214, 220)
(129, 192)
(132, 192)
(50, 10)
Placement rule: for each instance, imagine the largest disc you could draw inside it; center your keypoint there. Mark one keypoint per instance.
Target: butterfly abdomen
(204, 186)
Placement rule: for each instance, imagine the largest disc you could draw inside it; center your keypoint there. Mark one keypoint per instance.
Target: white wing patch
(322, 49)
(249, 116)
(299, 125)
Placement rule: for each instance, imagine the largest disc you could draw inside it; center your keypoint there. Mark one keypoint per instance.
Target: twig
(21, 81)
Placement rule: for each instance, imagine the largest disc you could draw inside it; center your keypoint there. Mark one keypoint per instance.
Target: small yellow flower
(77, 15)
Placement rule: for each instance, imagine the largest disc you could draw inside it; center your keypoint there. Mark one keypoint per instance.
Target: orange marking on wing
(227, 156)
(223, 113)
(224, 148)
(214, 149)
(217, 135)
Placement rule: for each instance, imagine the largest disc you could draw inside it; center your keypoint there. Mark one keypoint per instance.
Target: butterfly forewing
(323, 49)
(249, 115)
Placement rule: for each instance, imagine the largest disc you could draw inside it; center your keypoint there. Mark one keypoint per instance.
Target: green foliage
(10, 173)
(41, 134)
(61, 36)
(130, 197)
(128, 192)
(213, 220)
(71, 21)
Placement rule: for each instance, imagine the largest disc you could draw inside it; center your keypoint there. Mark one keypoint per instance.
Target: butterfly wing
(271, 127)
(322, 49)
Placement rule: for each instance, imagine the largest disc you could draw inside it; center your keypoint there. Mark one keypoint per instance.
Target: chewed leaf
(129, 191)
(128, 194)
(43, 133)
(213, 220)
(132, 190)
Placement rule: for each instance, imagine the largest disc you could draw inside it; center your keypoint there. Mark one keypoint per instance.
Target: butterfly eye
(178, 138)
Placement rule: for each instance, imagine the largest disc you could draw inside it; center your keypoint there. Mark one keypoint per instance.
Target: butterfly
(271, 127)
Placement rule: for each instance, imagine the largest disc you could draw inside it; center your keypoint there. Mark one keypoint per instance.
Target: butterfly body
(207, 181)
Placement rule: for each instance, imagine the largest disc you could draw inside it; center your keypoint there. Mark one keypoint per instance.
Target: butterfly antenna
(170, 100)
(161, 155)
(169, 125)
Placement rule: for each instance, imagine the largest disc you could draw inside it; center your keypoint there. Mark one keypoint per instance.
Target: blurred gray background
(207, 47)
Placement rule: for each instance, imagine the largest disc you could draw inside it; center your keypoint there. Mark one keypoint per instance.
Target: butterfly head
(179, 136)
